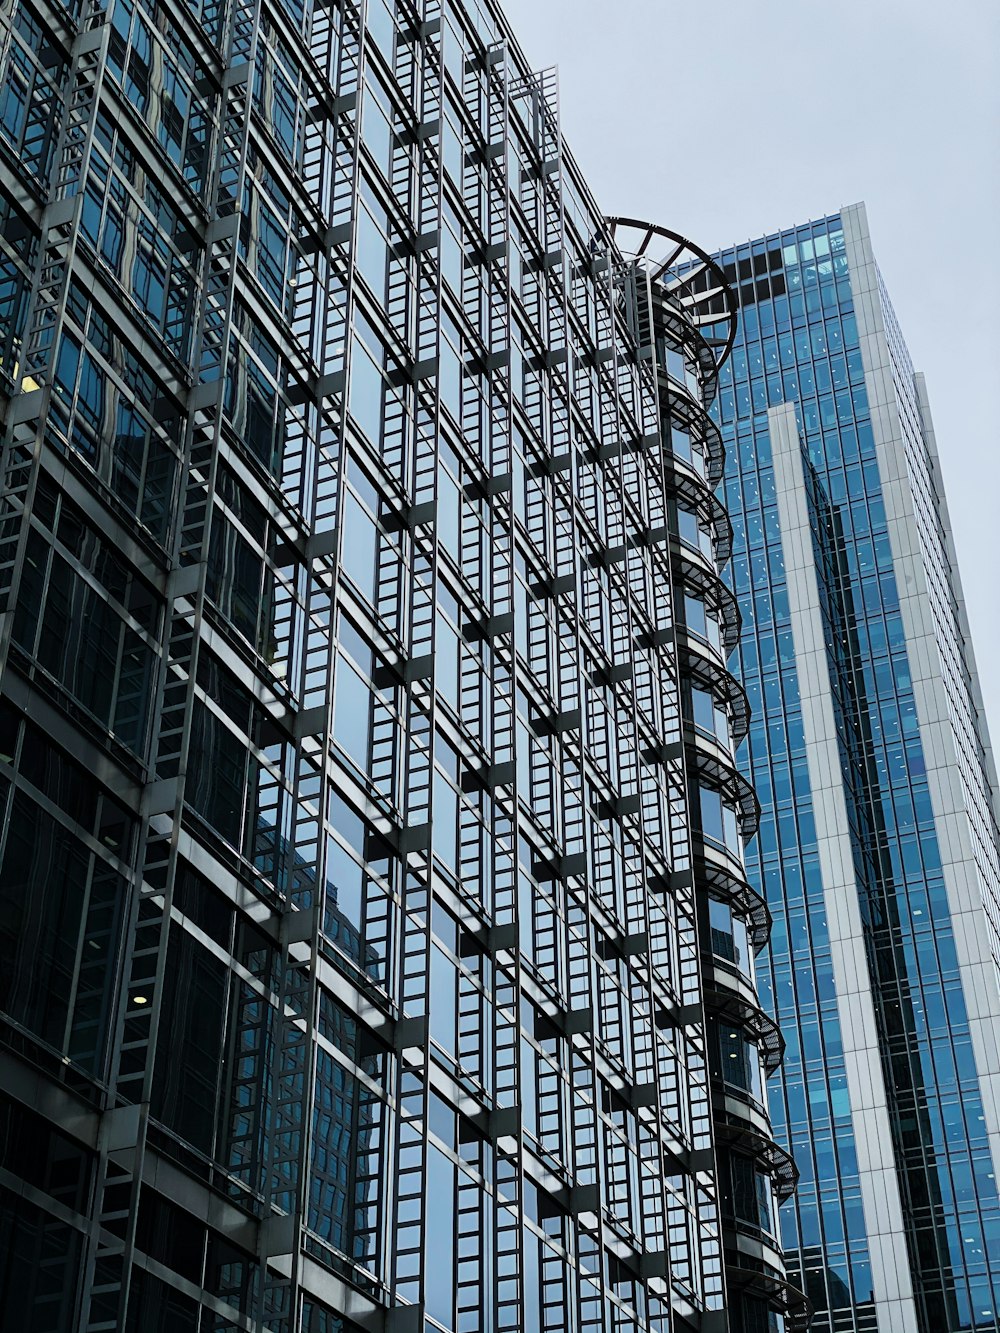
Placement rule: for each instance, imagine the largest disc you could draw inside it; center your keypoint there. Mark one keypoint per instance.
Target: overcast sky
(731, 119)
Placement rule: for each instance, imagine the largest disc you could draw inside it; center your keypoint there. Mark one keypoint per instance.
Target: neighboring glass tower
(364, 961)
(878, 847)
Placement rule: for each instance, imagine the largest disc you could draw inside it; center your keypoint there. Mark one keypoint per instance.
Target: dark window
(189, 1053)
(217, 773)
(156, 1307)
(40, 1275)
(82, 640)
(234, 578)
(230, 1274)
(170, 1235)
(203, 904)
(317, 1318)
(749, 1193)
(39, 1154)
(43, 882)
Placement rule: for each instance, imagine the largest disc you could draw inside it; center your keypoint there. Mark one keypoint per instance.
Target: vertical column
(951, 556)
(934, 642)
(413, 1244)
(865, 1083)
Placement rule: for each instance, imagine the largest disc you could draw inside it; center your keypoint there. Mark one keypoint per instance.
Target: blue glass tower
(878, 846)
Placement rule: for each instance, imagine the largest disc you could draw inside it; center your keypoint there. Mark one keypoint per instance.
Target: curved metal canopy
(687, 273)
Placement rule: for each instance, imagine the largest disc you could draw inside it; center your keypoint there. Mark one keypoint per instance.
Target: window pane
(358, 554)
(187, 1066)
(365, 394)
(352, 713)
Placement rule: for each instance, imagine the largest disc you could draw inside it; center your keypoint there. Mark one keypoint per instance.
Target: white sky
(728, 120)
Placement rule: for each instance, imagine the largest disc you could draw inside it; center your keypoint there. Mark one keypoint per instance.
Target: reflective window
(185, 1079)
(352, 713)
(729, 936)
(736, 1059)
(358, 550)
(719, 821)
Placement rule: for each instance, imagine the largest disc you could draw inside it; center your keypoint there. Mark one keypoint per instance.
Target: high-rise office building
(877, 851)
(375, 946)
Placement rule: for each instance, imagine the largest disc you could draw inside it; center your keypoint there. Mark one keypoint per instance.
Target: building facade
(878, 848)
(375, 946)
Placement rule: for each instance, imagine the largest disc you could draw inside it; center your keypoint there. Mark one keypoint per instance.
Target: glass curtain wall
(349, 970)
(798, 343)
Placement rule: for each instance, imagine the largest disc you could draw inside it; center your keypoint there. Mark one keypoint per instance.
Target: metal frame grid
(356, 448)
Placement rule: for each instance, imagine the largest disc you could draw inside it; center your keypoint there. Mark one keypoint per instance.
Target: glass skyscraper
(376, 950)
(878, 847)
